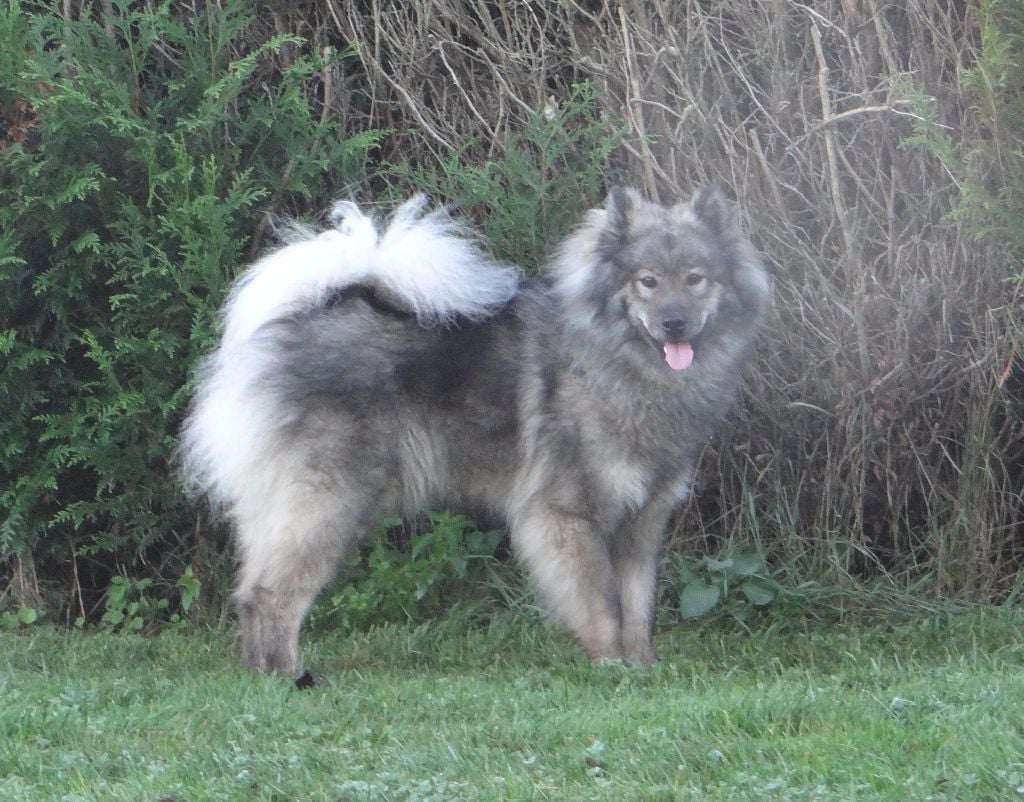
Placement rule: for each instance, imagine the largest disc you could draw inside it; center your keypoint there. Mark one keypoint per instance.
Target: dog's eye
(649, 281)
(693, 279)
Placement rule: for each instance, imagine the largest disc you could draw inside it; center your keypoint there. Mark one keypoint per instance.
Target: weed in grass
(409, 571)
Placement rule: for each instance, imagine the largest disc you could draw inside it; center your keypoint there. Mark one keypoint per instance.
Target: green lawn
(931, 708)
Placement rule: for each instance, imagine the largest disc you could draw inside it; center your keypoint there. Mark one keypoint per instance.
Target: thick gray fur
(559, 412)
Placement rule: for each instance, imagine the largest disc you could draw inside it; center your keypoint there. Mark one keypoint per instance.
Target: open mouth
(679, 355)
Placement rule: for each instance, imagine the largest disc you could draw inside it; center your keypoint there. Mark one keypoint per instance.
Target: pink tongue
(678, 355)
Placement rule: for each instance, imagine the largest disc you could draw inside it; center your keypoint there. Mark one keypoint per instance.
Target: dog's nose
(674, 327)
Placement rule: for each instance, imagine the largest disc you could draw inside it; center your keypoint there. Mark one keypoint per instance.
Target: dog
(374, 369)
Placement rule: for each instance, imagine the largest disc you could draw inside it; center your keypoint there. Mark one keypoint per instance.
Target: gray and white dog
(369, 370)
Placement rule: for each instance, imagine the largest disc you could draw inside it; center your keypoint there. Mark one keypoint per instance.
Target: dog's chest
(633, 447)
(622, 481)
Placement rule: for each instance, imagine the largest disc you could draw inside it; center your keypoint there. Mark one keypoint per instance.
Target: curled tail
(424, 263)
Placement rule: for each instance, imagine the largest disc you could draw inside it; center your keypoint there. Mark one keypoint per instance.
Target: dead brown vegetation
(883, 425)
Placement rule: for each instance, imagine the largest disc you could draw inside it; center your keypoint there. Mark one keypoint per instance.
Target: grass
(929, 708)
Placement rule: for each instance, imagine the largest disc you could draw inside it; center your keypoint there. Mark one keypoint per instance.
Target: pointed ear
(617, 207)
(718, 213)
(618, 212)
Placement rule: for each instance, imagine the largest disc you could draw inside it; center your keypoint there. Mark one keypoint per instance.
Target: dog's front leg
(571, 567)
(635, 556)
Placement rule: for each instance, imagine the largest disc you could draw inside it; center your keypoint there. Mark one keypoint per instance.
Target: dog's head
(679, 270)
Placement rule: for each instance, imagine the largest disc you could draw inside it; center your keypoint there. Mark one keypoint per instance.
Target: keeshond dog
(375, 369)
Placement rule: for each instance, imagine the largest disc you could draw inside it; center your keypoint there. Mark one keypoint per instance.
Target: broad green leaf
(758, 592)
(747, 562)
(719, 566)
(698, 598)
(685, 573)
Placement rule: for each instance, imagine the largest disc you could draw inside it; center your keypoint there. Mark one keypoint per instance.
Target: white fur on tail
(422, 262)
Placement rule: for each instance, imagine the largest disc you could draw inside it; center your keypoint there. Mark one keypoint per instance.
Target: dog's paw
(308, 680)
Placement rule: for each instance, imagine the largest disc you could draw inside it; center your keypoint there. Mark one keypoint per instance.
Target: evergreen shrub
(140, 151)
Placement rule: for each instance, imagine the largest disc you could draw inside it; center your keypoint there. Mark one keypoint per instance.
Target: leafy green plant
(704, 585)
(138, 151)
(131, 605)
(128, 606)
(408, 575)
(987, 167)
(189, 587)
(17, 619)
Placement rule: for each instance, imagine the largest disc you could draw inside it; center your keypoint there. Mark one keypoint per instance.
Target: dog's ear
(718, 213)
(619, 209)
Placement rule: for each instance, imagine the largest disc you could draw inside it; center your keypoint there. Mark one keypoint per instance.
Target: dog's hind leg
(572, 570)
(290, 547)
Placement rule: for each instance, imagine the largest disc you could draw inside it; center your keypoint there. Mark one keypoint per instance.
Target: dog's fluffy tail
(422, 263)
